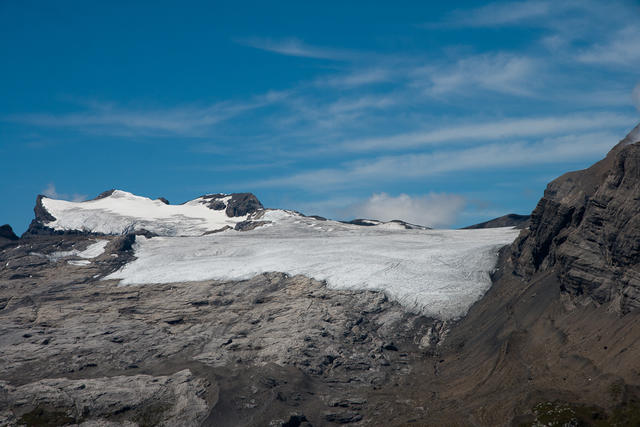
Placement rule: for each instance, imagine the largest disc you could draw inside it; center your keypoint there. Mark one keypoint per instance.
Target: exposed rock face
(7, 236)
(510, 220)
(139, 399)
(587, 229)
(242, 204)
(6, 232)
(42, 216)
(104, 194)
(213, 201)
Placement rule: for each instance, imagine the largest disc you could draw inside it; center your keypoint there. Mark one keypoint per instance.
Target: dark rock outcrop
(213, 201)
(510, 220)
(586, 228)
(363, 222)
(249, 225)
(104, 194)
(372, 222)
(7, 236)
(42, 216)
(6, 232)
(242, 204)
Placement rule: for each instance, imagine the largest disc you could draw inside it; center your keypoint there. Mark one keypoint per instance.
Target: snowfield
(439, 273)
(93, 251)
(123, 212)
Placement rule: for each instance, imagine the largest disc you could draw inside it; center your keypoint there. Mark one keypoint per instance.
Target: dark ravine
(555, 340)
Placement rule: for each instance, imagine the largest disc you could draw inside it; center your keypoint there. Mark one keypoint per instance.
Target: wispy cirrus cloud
(621, 49)
(505, 155)
(360, 77)
(492, 130)
(502, 13)
(296, 47)
(111, 119)
(496, 72)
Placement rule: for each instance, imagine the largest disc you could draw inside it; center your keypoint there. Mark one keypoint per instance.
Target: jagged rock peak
(586, 229)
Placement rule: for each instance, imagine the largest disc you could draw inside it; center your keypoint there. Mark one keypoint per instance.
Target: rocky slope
(271, 349)
(510, 220)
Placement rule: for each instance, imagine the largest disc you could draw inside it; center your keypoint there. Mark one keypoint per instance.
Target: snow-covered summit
(121, 212)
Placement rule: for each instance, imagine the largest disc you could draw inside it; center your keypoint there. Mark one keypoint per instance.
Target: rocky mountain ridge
(586, 228)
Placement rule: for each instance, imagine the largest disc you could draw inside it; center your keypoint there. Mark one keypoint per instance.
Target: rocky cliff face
(586, 228)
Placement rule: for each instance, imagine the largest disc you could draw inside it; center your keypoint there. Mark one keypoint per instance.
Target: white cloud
(311, 115)
(497, 130)
(109, 119)
(623, 48)
(295, 47)
(502, 13)
(496, 72)
(436, 210)
(52, 193)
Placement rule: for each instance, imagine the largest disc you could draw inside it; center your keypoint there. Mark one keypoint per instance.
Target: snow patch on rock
(93, 251)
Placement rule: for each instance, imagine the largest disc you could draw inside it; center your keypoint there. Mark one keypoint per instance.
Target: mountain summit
(118, 212)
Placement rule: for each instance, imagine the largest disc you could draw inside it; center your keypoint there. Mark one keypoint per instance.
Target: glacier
(439, 273)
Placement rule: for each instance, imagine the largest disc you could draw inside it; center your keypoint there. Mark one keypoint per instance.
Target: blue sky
(444, 116)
